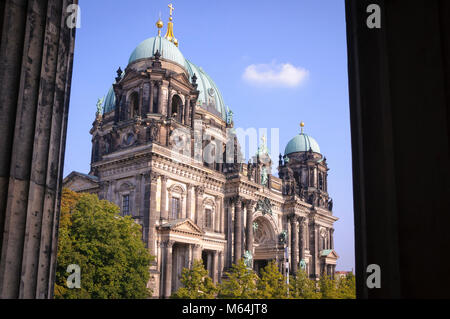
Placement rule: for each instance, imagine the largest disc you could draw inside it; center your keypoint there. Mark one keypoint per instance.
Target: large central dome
(209, 98)
(147, 48)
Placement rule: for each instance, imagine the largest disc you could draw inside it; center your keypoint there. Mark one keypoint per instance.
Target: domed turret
(302, 143)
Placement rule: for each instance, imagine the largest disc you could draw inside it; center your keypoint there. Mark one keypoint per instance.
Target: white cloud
(275, 75)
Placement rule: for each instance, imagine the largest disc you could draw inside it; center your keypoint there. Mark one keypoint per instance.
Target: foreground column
(36, 57)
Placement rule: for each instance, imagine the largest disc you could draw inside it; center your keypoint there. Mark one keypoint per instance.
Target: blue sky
(243, 46)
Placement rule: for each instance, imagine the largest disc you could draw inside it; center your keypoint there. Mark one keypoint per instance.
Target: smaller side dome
(302, 143)
(110, 101)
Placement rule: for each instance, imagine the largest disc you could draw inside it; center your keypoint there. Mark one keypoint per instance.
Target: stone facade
(149, 156)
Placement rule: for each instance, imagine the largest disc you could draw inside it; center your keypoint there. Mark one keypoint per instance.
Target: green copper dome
(168, 50)
(302, 143)
(210, 97)
(110, 101)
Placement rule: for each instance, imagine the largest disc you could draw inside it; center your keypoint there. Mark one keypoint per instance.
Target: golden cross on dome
(171, 7)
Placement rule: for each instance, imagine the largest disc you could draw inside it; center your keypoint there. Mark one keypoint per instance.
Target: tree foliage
(272, 284)
(346, 287)
(240, 283)
(328, 288)
(301, 287)
(196, 283)
(108, 248)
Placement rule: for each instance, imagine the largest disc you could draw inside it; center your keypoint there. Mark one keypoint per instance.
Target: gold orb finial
(175, 41)
(159, 25)
(302, 125)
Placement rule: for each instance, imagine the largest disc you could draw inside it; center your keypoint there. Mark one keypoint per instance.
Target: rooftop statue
(100, 106)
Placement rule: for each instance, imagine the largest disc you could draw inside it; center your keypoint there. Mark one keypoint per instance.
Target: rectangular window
(125, 205)
(208, 218)
(175, 207)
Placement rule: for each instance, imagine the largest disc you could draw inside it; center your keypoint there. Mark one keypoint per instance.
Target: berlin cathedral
(217, 208)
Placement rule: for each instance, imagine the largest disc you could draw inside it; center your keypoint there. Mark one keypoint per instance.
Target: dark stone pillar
(164, 211)
(36, 56)
(238, 230)
(294, 245)
(399, 80)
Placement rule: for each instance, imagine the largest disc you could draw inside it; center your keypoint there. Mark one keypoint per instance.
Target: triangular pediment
(329, 253)
(79, 182)
(183, 225)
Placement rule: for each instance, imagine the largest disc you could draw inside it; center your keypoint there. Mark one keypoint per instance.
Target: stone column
(188, 201)
(36, 56)
(193, 115)
(187, 106)
(141, 99)
(160, 97)
(199, 191)
(223, 216)
(164, 211)
(169, 103)
(190, 256)
(301, 236)
(150, 201)
(222, 264)
(238, 230)
(150, 106)
(315, 252)
(294, 244)
(197, 253)
(217, 216)
(249, 240)
(215, 267)
(331, 238)
(168, 270)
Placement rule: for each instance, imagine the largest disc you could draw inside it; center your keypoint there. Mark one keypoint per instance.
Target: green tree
(240, 283)
(272, 284)
(302, 287)
(108, 248)
(346, 287)
(328, 288)
(197, 284)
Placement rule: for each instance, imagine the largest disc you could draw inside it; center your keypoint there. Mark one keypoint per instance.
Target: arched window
(175, 213)
(208, 219)
(134, 105)
(177, 108)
